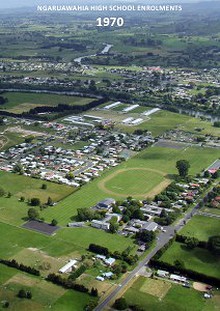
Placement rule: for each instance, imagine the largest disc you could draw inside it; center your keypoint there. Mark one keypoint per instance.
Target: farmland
(198, 259)
(19, 102)
(159, 295)
(44, 294)
(202, 228)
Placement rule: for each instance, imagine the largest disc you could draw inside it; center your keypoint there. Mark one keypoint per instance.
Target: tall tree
(32, 213)
(183, 167)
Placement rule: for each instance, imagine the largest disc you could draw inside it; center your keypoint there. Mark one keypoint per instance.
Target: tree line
(14, 264)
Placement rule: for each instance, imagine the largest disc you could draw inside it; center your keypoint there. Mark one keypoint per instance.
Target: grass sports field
(150, 167)
(19, 102)
(134, 182)
(202, 227)
(152, 160)
(157, 295)
(198, 259)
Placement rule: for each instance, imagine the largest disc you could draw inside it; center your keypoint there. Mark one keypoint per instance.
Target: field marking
(156, 288)
(157, 189)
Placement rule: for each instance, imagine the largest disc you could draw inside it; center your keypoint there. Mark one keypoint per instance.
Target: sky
(23, 3)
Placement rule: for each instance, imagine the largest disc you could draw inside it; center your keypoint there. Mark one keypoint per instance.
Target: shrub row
(74, 275)
(14, 264)
(182, 239)
(69, 284)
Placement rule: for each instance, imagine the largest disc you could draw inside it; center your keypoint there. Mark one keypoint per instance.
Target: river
(200, 114)
(104, 51)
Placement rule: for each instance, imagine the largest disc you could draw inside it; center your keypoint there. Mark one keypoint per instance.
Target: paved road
(162, 240)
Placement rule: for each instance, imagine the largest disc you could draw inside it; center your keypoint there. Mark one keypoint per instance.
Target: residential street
(163, 239)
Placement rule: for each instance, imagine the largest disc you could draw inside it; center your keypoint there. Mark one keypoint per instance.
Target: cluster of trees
(94, 248)
(183, 167)
(121, 304)
(91, 305)
(145, 42)
(58, 111)
(168, 195)
(2, 192)
(118, 269)
(213, 243)
(84, 214)
(146, 236)
(210, 196)
(126, 256)
(18, 168)
(69, 284)
(131, 209)
(165, 218)
(34, 201)
(3, 100)
(74, 275)
(14, 264)
(24, 294)
(1, 121)
(216, 124)
(114, 225)
(62, 108)
(33, 214)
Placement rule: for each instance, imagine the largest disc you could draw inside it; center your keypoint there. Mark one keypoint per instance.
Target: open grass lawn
(90, 282)
(11, 139)
(66, 241)
(70, 301)
(80, 238)
(202, 227)
(28, 187)
(6, 273)
(162, 160)
(198, 259)
(176, 297)
(195, 123)
(11, 209)
(40, 261)
(19, 102)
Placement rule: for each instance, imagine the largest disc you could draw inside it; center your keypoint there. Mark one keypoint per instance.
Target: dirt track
(200, 286)
(157, 189)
